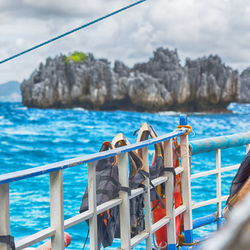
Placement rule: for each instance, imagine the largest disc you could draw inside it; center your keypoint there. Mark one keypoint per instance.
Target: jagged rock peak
(162, 60)
(245, 86)
(121, 69)
(211, 81)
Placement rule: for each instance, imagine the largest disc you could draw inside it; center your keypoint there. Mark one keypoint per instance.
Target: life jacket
(9, 241)
(136, 179)
(155, 170)
(240, 185)
(108, 187)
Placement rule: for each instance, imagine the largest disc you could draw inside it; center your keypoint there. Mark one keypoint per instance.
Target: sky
(195, 27)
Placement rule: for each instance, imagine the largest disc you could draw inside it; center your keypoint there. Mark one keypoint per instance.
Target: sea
(32, 137)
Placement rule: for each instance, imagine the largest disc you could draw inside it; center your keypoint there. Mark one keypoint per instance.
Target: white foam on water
(5, 122)
(62, 140)
(21, 108)
(80, 109)
(33, 118)
(20, 131)
(170, 113)
(83, 140)
(239, 108)
(199, 113)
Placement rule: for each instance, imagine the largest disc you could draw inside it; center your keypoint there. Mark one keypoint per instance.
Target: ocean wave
(5, 122)
(34, 118)
(169, 113)
(83, 140)
(64, 134)
(16, 131)
(21, 108)
(175, 113)
(80, 109)
(62, 140)
(239, 108)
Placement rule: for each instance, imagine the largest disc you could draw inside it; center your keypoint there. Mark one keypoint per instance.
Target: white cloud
(195, 27)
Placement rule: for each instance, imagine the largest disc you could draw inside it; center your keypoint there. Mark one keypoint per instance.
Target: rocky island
(162, 83)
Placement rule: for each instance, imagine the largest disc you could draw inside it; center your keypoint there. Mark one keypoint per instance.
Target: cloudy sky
(195, 27)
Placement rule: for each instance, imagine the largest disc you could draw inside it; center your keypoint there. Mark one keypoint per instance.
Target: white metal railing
(57, 223)
(55, 170)
(217, 144)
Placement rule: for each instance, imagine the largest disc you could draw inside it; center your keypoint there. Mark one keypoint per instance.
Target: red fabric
(159, 212)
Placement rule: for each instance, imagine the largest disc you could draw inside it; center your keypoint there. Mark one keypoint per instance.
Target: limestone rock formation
(211, 82)
(165, 66)
(201, 84)
(245, 86)
(162, 83)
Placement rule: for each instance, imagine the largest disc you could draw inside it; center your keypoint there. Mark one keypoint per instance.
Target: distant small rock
(10, 92)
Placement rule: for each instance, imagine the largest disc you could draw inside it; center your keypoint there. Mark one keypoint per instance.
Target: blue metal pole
(205, 220)
(211, 144)
(219, 222)
(183, 119)
(172, 247)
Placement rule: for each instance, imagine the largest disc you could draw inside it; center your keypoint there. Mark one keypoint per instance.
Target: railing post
(57, 209)
(124, 207)
(147, 201)
(4, 213)
(92, 206)
(218, 186)
(169, 194)
(186, 180)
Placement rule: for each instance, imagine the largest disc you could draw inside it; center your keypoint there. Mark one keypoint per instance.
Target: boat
(172, 215)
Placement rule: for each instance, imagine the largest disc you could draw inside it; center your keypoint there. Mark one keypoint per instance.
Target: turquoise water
(34, 137)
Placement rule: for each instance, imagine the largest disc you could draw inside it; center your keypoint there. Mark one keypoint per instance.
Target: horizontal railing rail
(214, 171)
(49, 168)
(222, 142)
(205, 220)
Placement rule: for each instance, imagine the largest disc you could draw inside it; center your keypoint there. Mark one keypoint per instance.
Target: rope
(85, 240)
(160, 246)
(188, 244)
(183, 243)
(186, 127)
(70, 32)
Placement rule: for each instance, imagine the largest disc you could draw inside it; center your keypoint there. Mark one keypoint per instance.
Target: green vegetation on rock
(77, 57)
